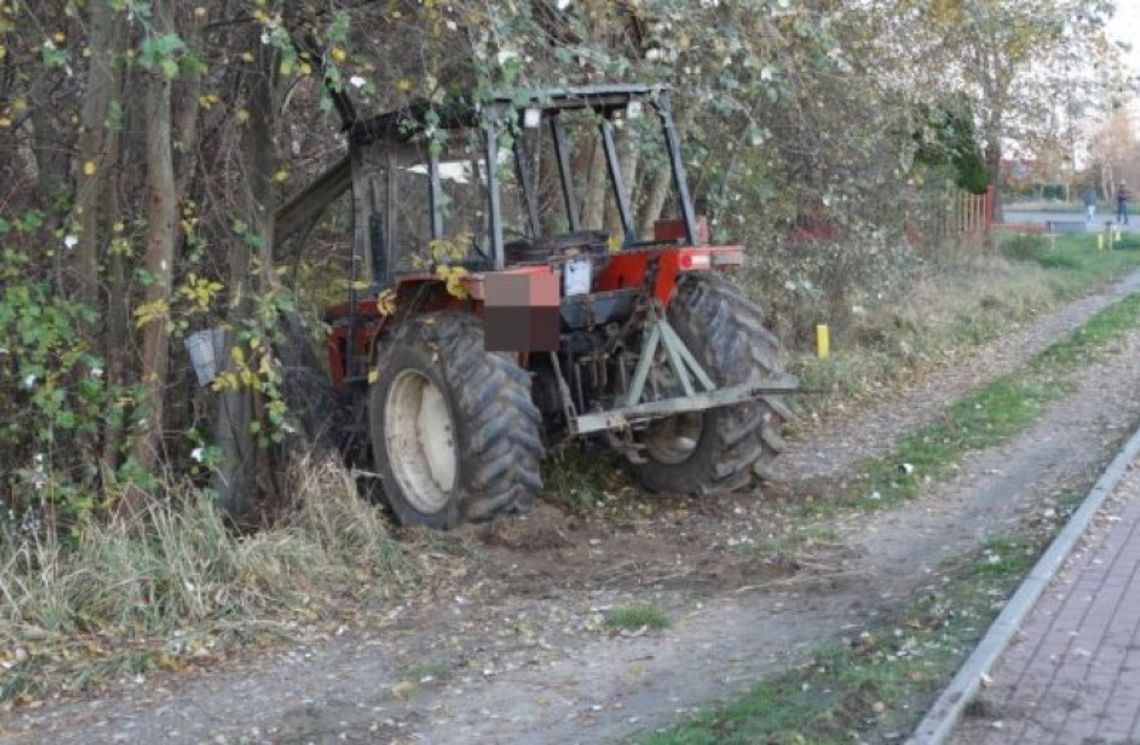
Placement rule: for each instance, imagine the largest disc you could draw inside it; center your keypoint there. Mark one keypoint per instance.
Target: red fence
(973, 215)
(956, 217)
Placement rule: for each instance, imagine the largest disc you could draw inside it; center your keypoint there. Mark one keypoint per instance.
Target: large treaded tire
(497, 444)
(736, 445)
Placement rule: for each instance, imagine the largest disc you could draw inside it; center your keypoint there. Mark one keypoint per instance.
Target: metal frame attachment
(659, 333)
(631, 411)
(627, 416)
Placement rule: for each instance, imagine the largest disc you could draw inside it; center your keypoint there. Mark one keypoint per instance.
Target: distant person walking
(1089, 198)
(1123, 197)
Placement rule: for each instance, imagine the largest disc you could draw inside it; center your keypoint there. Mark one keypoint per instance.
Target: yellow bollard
(822, 341)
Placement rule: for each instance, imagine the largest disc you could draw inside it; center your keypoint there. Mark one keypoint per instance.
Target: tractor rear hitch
(627, 416)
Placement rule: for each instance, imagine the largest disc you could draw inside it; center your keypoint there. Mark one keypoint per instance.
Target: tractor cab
(430, 173)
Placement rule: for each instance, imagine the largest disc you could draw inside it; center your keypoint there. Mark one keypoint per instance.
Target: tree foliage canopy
(147, 144)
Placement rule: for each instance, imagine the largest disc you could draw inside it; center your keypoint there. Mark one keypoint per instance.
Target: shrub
(1023, 247)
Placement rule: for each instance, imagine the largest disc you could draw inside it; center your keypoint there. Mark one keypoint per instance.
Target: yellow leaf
(89, 168)
(5, 122)
(404, 85)
(247, 56)
(152, 311)
(386, 303)
(3, 51)
(238, 355)
(453, 276)
(338, 54)
(200, 12)
(242, 116)
(58, 37)
(373, 376)
(281, 176)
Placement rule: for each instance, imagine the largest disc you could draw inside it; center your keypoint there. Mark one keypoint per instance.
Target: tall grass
(179, 565)
(952, 304)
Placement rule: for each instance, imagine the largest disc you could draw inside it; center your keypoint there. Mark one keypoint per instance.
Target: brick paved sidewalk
(1072, 675)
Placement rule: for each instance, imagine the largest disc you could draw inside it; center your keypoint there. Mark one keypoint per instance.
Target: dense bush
(54, 394)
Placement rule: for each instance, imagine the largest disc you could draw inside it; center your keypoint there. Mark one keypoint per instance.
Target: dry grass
(951, 305)
(179, 569)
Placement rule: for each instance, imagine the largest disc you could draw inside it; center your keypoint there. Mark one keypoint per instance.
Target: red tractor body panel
(426, 292)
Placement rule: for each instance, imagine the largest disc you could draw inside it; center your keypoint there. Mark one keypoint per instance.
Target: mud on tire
(735, 444)
(454, 433)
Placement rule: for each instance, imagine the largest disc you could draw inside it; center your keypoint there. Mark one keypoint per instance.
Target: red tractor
(485, 323)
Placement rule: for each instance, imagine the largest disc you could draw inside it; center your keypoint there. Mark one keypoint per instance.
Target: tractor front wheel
(454, 433)
(728, 448)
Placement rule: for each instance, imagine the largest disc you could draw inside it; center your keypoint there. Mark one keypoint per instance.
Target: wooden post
(822, 341)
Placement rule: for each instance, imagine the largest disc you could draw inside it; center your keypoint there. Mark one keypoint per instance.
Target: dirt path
(512, 650)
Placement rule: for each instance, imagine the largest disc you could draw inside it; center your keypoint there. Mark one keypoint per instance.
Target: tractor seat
(593, 243)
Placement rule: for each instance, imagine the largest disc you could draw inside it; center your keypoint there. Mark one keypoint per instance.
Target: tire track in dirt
(517, 666)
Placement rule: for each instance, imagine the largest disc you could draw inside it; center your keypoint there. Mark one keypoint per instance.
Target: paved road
(1036, 216)
(1073, 675)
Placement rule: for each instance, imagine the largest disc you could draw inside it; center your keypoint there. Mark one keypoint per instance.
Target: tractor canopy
(497, 181)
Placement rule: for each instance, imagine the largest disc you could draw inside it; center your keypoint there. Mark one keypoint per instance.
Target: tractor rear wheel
(454, 433)
(728, 448)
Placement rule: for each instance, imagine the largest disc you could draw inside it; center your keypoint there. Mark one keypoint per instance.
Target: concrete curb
(938, 723)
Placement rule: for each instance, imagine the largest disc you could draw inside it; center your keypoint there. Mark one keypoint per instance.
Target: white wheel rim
(419, 436)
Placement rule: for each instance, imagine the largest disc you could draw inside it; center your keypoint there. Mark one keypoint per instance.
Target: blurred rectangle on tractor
(521, 311)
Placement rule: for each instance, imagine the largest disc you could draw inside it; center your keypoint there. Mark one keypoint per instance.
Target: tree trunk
(188, 112)
(117, 324)
(244, 466)
(118, 319)
(627, 163)
(162, 221)
(659, 189)
(993, 166)
(594, 201)
(94, 138)
(661, 185)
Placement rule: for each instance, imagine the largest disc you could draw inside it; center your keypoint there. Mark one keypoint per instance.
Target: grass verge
(953, 306)
(876, 685)
(988, 416)
(177, 587)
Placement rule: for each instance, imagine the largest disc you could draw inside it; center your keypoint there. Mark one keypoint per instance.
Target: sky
(1125, 26)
